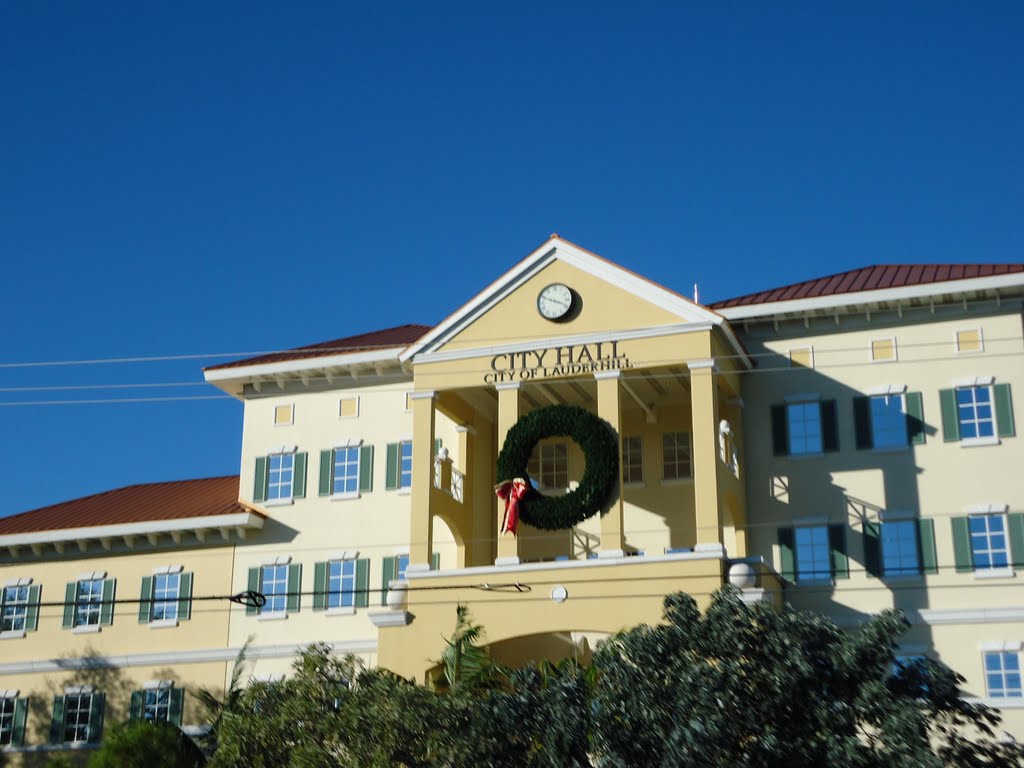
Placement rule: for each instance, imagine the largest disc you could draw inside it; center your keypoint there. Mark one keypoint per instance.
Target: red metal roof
(870, 279)
(134, 504)
(399, 336)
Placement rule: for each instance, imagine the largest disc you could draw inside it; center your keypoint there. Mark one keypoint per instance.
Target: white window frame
(817, 578)
(161, 693)
(1003, 672)
(545, 462)
(404, 485)
(281, 499)
(84, 692)
(7, 718)
(267, 610)
(630, 461)
(169, 605)
(991, 571)
(341, 451)
(905, 444)
(810, 353)
(981, 341)
(974, 385)
(803, 403)
(687, 450)
(91, 604)
(358, 406)
(341, 594)
(20, 606)
(291, 415)
(895, 350)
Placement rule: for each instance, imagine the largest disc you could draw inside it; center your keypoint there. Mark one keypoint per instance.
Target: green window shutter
(837, 545)
(319, 586)
(294, 599)
(1004, 410)
(135, 707)
(435, 561)
(787, 562)
(259, 490)
(366, 468)
(915, 418)
(57, 721)
(176, 707)
(962, 545)
(362, 596)
(829, 426)
(926, 537)
(388, 572)
(299, 477)
(438, 444)
(96, 708)
(70, 593)
(873, 549)
(185, 597)
(780, 431)
(950, 417)
(253, 586)
(326, 472)
(862, 422)
(107, 608)
(1015, 529)
(391, 476)
(18, 726)
(32, 614)
(145, 606)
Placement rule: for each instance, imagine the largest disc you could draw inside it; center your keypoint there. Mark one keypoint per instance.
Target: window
(156, 704)
(88, 602)
(813, 559)
(280, 476)
(633, 460)
(166, 588)
(14, 614)
(346, 470)
(401, 564)
(7, 705)
(883, 350)
(341, 583)
(159, 701)
(348, 408)
(802, 357)
(549, 466)
(78, 725)
(803, 421)
(970, 340)
(805, 426)
(813, 552)
(900, 548)
(1002, 674)
(284, 415)
(675, 455)
(974, 412)
(989, 543)
(980, 412)
(405, 468)
(274, 585)
(281, 467)
(888, 421)
(13, 713)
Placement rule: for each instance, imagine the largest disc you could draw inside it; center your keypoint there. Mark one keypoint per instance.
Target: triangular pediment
(607, 299)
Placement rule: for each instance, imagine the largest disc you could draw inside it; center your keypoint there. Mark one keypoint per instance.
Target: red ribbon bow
(511, 492)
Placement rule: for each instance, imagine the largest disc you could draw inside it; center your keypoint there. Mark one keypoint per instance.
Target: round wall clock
(555, 301)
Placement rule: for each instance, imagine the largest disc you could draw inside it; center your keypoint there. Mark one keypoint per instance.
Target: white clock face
(555, 301)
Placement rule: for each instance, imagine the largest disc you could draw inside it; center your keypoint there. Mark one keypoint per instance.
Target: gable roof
(398, 336)
(148, 502)
(558, 248)
(873, 278)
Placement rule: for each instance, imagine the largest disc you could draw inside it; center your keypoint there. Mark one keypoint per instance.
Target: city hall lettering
(556, 361)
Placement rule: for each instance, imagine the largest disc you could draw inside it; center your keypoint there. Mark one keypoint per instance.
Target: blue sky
(190, 178)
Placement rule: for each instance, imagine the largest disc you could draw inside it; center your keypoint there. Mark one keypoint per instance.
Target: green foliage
(146, 744)
(754, 686)
(216, 706)
(600, 446)
(465, 664)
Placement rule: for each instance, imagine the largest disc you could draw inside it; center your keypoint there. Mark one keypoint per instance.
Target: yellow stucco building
(845, 444)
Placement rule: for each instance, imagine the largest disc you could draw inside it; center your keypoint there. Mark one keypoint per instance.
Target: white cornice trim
(971, 615)
(236, 520)
(120, 661)
(561, 250)
(872, 297)
(247, 372)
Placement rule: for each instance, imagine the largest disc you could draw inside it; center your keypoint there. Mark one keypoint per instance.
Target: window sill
(994, 573)
(163, 624)
(404, 491)
(805, 456)
(345, 496)
(14, 634)
(343, 611)
(279, 503)
(677, 481)
(86, 629)
(972, 442)
(276, 616)
(891, 449)
(817, 582)
(903, 578)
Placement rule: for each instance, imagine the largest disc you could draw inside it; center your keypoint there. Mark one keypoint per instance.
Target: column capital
(505, 385)
(427, 394)
(613, 374)
(701, 365)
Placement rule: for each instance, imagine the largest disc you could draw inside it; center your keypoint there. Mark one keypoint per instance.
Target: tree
(216, 706)
(145, 744)
(754, 686)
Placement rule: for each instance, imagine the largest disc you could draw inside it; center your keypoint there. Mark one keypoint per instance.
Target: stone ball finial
(742, 575)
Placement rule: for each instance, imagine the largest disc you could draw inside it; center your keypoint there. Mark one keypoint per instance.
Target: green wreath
(600, 446)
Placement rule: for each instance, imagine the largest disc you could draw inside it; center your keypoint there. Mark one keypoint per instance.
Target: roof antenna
(695, 301)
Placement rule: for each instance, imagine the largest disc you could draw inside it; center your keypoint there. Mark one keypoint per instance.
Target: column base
(417, 567)
(716, 547)
(513, 560)
(606, 553)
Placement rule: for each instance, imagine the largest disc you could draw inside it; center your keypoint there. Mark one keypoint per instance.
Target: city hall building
(846, 444)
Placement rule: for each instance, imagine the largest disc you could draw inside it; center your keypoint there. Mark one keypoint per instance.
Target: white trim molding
(987, 509)
(974, 381)
(935, 616)
(1004, 645)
